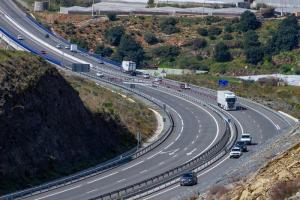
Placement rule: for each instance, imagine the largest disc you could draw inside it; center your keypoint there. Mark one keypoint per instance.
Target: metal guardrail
(132, 154)
(204, 159)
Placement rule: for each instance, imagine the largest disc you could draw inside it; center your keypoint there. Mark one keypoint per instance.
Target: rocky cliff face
(45, 129)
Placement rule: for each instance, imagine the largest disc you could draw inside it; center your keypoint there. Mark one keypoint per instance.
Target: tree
(202, 31)
(112, 16)
(150, 3)
(250, 39)
(214, 31)
(129, 49)
(286, 38)
(103, 51)
(150, 38)
(248, 21)
(113, 35)
(168, 25)
(227, 36)
(199, 43)
(228, 28)
(167, 52)
(221, 53)
(254, 55)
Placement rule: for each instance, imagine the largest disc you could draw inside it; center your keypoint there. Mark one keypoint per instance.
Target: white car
(100, 75)
(246, 138)
(146, 76)
(158, 79)
(20, 37)
(58, 46)
(235, 152)
(67, 47)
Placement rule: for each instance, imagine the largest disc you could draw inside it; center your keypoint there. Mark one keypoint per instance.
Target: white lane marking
(169, 145)
(144, 171)
(103, 177)
(161, 163)
(176, 186)
(122, 180)
(265, 116)
(197, 135)
(199, 132)
(56, 193)
(91, 191)
(174, 156)
(150, 157)
(172, 188)
(191, 152)
(185, 149)
(193, 141)
(132, 165)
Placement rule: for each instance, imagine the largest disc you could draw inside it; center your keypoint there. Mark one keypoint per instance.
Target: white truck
(226, 100)
(73, 48)
(128, 66)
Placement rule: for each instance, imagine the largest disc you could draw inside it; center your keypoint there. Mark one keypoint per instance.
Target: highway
(196, 127)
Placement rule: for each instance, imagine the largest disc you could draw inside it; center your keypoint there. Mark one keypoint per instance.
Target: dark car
(242, 145)
(43, 52)
(188, 179)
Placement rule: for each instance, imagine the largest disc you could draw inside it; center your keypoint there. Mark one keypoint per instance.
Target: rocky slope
(46, 131)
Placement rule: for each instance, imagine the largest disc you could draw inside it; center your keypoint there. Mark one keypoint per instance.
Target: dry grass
(284, 189)
(132, 114)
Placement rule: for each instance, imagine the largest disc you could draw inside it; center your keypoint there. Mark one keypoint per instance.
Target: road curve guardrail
(130, 155)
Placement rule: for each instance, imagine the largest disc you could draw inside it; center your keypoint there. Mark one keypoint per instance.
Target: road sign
(223, 83)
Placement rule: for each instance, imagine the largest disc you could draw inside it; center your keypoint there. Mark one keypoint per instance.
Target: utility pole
(93, 8)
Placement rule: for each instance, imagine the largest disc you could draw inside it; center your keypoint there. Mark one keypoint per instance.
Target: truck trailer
(226, 100)
(74, 48)
(128, 66)
(80, 67)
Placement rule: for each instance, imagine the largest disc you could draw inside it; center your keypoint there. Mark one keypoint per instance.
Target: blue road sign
(223, 83)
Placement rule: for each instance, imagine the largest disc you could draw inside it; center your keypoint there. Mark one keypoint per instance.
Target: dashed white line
(91, 191)
(144, 171)
(103, 177)
(122, 180)
(161, 163)
(190, 153)
(56, 193)
(132, 165)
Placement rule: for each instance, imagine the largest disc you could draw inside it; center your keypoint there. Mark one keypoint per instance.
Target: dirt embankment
(47, 130)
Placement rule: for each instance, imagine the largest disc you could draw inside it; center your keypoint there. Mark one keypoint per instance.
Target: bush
(103, 51)
(129, 49)
(168, 25)
(199, 43)
(113, 35)
(250, 39)
(221, 53)
(212, 37)
(227, 36)
(202, 31)
(254, 55)
(214, 31)
(168, 51)
(190, 62)
(248, 22)
(228, 28)
(150, 38)
(112, 16)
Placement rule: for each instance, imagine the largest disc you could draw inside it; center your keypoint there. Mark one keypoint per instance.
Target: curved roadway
(196, 127)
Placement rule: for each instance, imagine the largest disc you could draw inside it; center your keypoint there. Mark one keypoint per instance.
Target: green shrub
(168, 25)
(113, 35)
(248, 21)
(150, 38)
(112, 16)
(254, 55)
(202, 31)
(214, 31)
(221, 53)
(103, 51)
(199, 43)
(168, 51)
(227, 36)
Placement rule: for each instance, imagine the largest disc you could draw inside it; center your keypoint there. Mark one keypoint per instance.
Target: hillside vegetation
(236, 46)
(49, 130)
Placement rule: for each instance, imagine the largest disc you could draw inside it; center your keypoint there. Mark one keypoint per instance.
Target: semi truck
(226, 100)
(184, 86)
(74, 48)
(128, 67)
(80, 67)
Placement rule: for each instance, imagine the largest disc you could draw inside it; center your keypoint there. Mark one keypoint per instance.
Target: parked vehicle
(43, 52)
(128, 66)
(246, 138)
(188, 179)
(185, 86)
(235, 152)
(67, 47)
(20, 37)
(47, 35)
(226, 100)
(74, 48)
(242, 145)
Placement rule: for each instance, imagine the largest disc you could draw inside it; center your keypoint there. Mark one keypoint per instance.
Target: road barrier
(130, 155)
